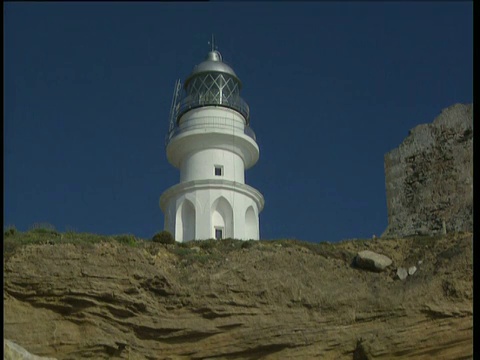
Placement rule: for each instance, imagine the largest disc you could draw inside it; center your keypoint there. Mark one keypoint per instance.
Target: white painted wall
(201, 165)
(186, 219)
(213, 116)
(212, 128)
(251, 224)
(206, 137)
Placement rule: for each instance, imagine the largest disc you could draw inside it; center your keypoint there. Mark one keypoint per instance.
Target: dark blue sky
(332, 87)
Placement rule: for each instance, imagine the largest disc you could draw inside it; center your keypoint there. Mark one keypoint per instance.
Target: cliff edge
(235, 300)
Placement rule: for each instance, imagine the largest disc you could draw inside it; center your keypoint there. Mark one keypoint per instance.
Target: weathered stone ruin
(429, 177)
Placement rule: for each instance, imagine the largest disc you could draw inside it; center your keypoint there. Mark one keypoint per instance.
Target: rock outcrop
(429, 177)
(268, 300)
(370, 260)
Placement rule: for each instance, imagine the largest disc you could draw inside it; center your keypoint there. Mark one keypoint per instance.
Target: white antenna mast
(212, 43)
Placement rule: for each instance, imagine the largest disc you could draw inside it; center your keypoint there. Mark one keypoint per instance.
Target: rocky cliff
(236, 300)
(429, 177)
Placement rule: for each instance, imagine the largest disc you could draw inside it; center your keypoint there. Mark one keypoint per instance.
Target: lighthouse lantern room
(210, 141)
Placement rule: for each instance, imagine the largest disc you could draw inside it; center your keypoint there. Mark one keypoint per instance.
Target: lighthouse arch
(185, 229)
(222, 219)
(251, 224)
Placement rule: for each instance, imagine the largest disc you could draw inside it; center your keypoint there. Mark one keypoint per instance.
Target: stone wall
(429, 177)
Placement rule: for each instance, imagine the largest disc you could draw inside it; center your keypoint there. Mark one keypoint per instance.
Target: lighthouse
(212, 144)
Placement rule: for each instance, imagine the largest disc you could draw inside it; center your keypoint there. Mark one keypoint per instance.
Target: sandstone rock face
(429, 177)
(370, 260)
(12, 351)
(112, 301)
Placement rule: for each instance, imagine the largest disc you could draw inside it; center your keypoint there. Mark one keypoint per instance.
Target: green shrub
(248, 244)
(126, 239)
(230, 242)
(208, 244)
(44, 228)
(10, 231)
(163, 237)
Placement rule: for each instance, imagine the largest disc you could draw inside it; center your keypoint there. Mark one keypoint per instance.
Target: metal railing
(249, 132)
(210, 122)
(235, 103)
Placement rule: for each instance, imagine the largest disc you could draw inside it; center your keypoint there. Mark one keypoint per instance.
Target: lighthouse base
(212, 209)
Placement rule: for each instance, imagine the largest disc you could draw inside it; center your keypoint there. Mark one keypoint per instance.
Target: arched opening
(185, 229)
(222, 219)
(251, 224)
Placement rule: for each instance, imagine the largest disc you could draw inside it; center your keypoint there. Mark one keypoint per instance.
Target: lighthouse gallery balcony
(220, 122)
(233, 102)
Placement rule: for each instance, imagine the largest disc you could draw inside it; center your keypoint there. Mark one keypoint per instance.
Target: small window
(218, 170)
(218, 233)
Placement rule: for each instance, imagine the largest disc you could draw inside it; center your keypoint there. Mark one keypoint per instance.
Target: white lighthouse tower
(210, 141)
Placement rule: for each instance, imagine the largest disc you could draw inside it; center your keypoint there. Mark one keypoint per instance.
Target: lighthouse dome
(212, 63)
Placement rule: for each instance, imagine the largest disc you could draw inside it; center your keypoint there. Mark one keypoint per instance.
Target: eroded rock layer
(272, 300)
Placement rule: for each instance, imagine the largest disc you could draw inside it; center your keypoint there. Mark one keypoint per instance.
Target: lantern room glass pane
(212, 88)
